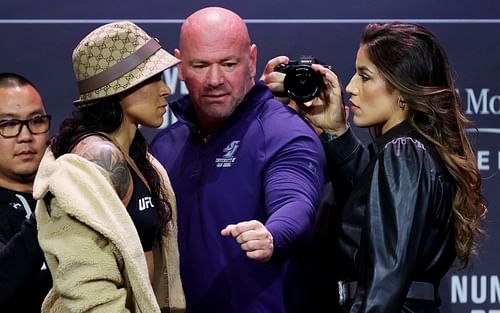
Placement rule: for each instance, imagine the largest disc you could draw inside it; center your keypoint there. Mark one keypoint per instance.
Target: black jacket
(23, 283)
(347, 159)
(397, 224)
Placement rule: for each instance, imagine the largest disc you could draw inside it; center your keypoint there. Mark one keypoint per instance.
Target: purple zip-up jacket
(264, 163)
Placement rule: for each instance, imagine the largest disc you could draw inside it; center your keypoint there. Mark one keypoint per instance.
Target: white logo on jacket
(145, 203)
(24, 204)
(228, 153)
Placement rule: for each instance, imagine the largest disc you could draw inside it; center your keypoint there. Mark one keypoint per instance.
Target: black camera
(302, 83)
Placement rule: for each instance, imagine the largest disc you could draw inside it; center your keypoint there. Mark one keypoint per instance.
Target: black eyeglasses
(36, 125)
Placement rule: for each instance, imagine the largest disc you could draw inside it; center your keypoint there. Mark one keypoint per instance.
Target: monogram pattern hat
(116, 57)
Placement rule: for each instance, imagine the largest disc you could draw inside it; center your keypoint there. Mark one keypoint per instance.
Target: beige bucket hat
(116, 57)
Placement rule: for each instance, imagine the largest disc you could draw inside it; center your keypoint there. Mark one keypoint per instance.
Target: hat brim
(156, 63)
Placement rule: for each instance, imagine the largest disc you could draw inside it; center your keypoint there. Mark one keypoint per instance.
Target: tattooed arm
(110, 159)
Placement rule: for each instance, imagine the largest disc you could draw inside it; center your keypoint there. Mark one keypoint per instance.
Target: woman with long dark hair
(107, 212)
(416, 205)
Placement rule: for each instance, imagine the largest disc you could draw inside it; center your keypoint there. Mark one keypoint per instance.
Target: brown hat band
(121, 68)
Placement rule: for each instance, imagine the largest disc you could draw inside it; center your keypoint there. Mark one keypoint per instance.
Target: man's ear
(253, 60)
(177, 53)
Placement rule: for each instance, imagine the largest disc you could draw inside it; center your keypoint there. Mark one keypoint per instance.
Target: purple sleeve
(293, 186)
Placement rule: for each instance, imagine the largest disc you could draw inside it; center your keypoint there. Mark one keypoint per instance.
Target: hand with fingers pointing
(253, 237)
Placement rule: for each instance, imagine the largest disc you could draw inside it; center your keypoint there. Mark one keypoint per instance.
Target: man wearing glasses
(24, 125)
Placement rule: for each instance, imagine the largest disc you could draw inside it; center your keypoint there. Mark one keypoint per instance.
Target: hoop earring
(401, 103)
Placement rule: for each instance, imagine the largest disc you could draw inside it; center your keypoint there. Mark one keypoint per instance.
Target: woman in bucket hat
(106, 211)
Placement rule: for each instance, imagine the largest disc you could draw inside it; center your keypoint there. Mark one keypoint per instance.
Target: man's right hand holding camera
(327, 112)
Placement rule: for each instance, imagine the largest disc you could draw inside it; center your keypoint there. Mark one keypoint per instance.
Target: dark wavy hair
(106, 116)
(412, 61)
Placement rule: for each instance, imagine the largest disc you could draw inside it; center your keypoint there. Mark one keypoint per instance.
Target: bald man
(247, 172)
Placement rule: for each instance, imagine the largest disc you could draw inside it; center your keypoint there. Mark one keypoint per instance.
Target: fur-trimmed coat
(91, 245)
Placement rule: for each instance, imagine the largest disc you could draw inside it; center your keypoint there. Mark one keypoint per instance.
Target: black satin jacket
(397, 224)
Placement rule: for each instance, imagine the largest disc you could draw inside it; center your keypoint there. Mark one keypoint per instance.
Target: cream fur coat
(92, 248)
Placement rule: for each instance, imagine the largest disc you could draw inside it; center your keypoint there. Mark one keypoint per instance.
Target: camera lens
(302, 83)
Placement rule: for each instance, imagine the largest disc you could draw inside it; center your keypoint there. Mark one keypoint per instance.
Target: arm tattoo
(105, 154)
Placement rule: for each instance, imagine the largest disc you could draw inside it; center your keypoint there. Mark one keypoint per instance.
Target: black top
(24, 278)
(397, 225)
(143, 213)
